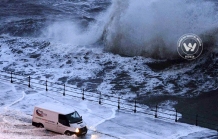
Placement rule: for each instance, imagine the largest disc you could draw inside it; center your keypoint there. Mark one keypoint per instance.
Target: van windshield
(74, 117)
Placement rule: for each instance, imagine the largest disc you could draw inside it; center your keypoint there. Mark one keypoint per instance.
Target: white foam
(153, 27)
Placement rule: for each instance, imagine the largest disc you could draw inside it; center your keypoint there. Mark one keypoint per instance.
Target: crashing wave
(152, 28)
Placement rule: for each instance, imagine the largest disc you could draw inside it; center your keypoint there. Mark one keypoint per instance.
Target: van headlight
(77, 130)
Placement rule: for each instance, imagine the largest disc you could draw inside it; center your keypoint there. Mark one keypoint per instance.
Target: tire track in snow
(18, 100)
(93, 127)
(14, 90)
(105, 119)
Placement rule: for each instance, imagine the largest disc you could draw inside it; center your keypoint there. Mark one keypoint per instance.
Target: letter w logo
(190, 47)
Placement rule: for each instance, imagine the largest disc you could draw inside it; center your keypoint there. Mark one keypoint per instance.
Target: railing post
(29, 82)
(176, 117)
(64, 90)
(46, 86)
(11, 78)
(83, 95)
(196, 122)
(135, 107)
(100, 98)
(118, 106)
(155, 112)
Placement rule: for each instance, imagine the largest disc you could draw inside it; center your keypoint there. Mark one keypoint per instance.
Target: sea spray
(70, 31)
(152, 28)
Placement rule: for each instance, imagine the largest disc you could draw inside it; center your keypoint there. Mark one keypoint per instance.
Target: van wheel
(40, 125)
(68, 133)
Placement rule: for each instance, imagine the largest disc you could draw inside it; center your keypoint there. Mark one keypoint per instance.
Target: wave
(148, 28)
(152, 28)
(73, 32)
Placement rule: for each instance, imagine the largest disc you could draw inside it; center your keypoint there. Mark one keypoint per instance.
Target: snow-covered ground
(104, 122)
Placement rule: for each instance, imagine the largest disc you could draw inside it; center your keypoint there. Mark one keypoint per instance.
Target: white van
(58, 118)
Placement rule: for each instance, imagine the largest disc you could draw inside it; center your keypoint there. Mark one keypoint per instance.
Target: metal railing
(106, 99)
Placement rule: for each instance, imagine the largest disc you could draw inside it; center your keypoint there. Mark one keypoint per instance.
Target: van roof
(56, 107)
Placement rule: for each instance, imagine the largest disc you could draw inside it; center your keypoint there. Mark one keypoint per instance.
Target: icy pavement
(17, 103)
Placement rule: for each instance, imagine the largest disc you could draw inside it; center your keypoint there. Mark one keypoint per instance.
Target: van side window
(63, 120)
(74, 117)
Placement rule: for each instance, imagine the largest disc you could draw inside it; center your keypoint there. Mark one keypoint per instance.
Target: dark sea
(126, 48)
